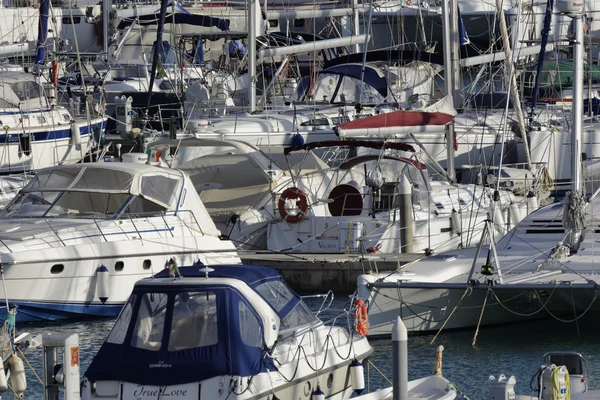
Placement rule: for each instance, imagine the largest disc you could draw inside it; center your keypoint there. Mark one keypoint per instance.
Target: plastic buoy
(357, 377)
(532, 203)
(318, 394)
(297, 140)
(75, 134)
(17, 375)
(3, 380)
(102, 283)
(515, 213)
(456, 222)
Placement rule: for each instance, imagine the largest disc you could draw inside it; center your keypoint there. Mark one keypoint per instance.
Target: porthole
(330, 381)
(147, 264)
(119, 266)
(57, 269)
(307, 388)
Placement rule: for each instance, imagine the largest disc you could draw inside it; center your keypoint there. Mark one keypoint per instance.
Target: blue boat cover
(42, 32)
(232, 354)
(372, 75)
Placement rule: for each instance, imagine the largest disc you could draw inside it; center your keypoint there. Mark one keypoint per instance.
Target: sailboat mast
(252, 33)
(446, 39)
(512, 80)
(573, 215)
(106, 6)
(158, 47)
(578, 54)
(450, 39)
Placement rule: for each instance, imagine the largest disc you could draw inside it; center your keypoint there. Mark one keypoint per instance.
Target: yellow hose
(556, 392)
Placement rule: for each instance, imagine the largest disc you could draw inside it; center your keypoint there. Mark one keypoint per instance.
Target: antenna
(206, 270)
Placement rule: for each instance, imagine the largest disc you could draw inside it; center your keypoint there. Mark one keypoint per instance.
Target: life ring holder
(361, 317)
(293, 193)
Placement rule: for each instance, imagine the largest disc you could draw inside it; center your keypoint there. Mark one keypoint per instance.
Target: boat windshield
(293, 311)
(19, 92)
(336, 88)
(72, 204)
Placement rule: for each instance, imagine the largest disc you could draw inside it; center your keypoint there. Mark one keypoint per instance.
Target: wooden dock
(318, 273)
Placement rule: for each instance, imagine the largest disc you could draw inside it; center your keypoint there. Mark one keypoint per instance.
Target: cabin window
(67, 20)
(26, 90)
(142, 206)
(119, 265)
(194, 321)
(57, 269)
(273, 23)
(150, 321)
(276, 293)
(299, 23)
(316, 122)
(147, 264)
(250, 329)
(166, 85)
(160, 188)
(66, 117)
(119, 330)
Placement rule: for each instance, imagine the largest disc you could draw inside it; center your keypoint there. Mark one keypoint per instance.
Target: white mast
(512, 80)
(106, 7)
(450, 39)
(252, 33)
(573, 215)
(578, 75)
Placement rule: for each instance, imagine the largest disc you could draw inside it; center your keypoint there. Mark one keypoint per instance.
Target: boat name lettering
(159, 392)
(160, 365)
(327, 245)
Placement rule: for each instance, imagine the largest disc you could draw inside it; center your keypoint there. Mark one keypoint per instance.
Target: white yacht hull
(324, 364)
(430, 307)
(46, 146)
(60, 282)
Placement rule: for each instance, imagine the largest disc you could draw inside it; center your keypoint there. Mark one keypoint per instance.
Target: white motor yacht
(77, 237)
(231, 331)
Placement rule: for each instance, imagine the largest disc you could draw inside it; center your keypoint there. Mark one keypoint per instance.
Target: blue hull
(39, 311)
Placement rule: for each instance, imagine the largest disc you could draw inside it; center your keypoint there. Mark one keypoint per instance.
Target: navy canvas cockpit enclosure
(169, 334)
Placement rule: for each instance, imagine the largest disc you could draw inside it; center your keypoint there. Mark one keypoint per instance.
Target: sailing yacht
(351, 204)
(37, 134)
(544, 268)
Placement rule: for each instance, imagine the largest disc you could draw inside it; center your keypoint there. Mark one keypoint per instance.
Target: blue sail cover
(462, 32)
(372, 76)
(175, 352)
(42, 31)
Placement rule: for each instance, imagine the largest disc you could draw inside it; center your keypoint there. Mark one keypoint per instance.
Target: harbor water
(511, 350)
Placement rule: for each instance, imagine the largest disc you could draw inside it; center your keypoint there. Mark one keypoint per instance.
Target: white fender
(357, 377)
(17, 375)
(532, 203)
(102, 283)
(318, 394)
(75, 134)
(456, 222)
(3, 380)
(515, 213)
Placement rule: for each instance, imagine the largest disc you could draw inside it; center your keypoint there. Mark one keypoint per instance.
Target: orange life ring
(293, 193)
(361, 317)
